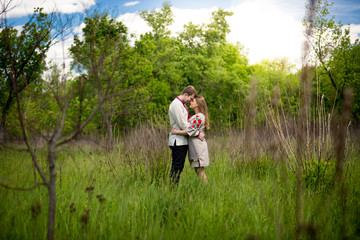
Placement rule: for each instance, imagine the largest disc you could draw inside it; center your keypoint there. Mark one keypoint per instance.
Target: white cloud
(59, 53)
(136, 25)
(129, 4)
(267, 30)
(354, 32)
(184, 16)
(78, 30)
(26, 7)
(19, 28)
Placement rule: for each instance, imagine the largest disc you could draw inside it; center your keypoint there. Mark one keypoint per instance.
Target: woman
(198, 150)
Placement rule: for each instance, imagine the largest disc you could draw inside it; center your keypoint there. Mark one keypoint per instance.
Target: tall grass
(125, 194)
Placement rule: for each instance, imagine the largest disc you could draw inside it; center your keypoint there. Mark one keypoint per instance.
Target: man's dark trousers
(178, 160)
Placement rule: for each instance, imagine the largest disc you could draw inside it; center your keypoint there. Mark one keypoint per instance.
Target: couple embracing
(187, 134)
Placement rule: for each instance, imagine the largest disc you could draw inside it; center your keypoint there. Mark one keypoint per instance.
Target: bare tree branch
(25, 138)
(16, 149)
(22, 189)
(5, 7)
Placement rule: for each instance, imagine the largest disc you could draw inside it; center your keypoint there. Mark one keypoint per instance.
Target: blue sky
(266, 28)
(348, 11)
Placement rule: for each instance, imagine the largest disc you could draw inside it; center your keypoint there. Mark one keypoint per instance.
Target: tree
(22, 63)
(161, 54)
(22, 59)
(159, 20)
(345, 68)
(105, 59)
(218, 69)
(277, 76)
(216, 31)
(336, 57)
(55, 99)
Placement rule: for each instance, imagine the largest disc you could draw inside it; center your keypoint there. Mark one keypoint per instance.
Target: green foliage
(104, 44)
(217, 69)
(108, 65)
(277, 84)
(319, 175)
(215, 32)
(336, 59)
(156, 69)
(142, 79)
(161, 55)
(345, 65)
(22, 59)
(159, 20)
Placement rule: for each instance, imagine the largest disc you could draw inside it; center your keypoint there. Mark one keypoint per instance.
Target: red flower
(197, 116)
(199, 121)
(194, 121)
(197, 125)
(192, 126)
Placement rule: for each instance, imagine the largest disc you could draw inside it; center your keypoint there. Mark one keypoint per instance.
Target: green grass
(255, 201)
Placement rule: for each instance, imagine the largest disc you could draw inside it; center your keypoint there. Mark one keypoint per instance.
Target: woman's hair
(190, 90)
(203, 109)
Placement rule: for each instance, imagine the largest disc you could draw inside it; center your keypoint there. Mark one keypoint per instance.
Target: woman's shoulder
(195, 118)
(200, 115)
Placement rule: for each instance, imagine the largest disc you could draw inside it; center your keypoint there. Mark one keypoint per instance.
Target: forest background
(148, 74)
(118, 92)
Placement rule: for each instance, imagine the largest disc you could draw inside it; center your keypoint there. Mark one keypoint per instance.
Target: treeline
(115, 84)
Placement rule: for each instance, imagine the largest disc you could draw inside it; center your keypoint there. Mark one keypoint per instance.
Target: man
(179, 115)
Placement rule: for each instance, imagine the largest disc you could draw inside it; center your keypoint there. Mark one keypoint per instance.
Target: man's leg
(178, 160)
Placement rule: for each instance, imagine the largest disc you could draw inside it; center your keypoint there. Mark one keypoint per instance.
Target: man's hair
(190, 90)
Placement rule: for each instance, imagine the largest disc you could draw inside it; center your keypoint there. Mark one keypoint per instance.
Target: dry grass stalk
(147, 146)
(250, 120)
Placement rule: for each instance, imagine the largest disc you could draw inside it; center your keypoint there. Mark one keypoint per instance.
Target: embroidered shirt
(178, 115)
(184, 107)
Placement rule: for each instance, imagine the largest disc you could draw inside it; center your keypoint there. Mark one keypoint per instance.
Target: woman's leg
(201, 173)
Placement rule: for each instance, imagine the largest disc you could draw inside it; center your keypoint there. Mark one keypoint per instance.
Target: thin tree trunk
(109, 140)
(107, 116)
(2, 134)
(52, 154)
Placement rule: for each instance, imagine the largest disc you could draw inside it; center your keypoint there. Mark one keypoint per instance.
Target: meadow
(125, 193)
(284, 149)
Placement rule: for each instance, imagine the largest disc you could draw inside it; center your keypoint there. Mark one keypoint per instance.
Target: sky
(267, 29)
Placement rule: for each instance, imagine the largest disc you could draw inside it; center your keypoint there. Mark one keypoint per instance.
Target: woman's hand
(201, 136)
(173, 131)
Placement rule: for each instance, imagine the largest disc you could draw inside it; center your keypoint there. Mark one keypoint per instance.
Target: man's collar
(181, 100)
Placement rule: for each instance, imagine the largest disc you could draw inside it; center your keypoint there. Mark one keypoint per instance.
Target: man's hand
(201, 136)
(173, 131)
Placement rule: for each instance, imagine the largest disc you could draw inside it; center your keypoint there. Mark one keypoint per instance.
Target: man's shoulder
(175, 102)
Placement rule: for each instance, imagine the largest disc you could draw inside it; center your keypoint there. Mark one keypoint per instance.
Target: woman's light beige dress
(198, 150)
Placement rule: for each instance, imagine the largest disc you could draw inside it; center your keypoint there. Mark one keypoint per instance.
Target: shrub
(319, 175)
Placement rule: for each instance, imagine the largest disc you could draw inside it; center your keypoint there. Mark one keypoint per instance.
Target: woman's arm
(201, 135)
(179, 132)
